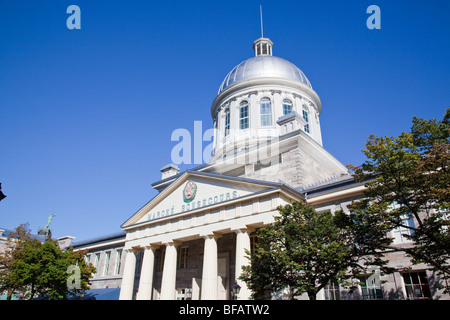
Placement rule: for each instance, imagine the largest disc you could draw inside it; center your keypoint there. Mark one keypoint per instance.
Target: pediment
(195, 191)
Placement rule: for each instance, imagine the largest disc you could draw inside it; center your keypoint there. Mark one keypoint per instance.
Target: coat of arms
(189, 191)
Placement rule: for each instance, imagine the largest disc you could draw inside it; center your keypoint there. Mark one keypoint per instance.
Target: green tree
(13, 249)
(407, 177)
(303, 250)
(37, 269)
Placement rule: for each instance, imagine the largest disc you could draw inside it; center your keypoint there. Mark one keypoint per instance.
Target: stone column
(169, 272)
(146, 280)
(126, 290)
(242, 243)
(209, 275)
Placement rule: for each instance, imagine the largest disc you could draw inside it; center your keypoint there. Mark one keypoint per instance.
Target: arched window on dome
(306, 118)
(287, 106)
(266, 112)
(227, 122)
(243, 115)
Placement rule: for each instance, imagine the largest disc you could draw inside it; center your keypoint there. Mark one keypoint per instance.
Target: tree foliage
(303, 250)
(408, 177)
(35, 269)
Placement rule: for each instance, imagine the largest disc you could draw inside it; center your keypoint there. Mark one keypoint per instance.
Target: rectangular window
(118, 261)
(371, 287)
(266, 112)
(305, 117)
(416, 285)
(445, 216)
(253, 242)
(96, 262)
(332, 291)
(107, 257)
(243, 117)
(182, 258)
(287, 106)
(227, 122)
(400, 233)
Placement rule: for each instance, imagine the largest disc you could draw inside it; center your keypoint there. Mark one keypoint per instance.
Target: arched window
(243, 115)
(227, 122)
(306, 118)
(287, 106)
(266, 112)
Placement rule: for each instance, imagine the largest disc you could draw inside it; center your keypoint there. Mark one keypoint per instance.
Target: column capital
(134, 249)
(244, 230)
(151, 246)
(172, 243)
(211, 236)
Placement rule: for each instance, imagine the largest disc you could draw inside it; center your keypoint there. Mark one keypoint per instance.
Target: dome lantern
(263, 47)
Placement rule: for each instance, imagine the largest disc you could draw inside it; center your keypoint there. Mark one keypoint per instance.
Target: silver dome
(261, 67)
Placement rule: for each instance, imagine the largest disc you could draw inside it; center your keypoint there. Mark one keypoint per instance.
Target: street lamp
(235, 288)
(188, 293)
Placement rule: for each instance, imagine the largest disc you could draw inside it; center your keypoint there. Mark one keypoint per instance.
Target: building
(189, 241)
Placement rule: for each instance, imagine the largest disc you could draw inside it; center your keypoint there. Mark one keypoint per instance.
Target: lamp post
(235, 288)
(188, 294)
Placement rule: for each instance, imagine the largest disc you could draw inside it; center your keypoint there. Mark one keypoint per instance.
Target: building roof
(264, 67)
(105, 238)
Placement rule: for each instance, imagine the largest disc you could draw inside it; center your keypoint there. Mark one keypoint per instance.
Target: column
(242, 243)
(126, 290)
(169, 272)
(209, 275)
(146, 280)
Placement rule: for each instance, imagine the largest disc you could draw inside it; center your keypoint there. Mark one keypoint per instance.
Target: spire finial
(260, 13)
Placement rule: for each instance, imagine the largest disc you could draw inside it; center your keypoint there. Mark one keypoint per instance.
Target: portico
(198, 253)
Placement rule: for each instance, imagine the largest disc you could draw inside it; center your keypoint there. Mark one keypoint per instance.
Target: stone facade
(106, 255)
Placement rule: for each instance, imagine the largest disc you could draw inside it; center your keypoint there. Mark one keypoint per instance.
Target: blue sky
(86, 116)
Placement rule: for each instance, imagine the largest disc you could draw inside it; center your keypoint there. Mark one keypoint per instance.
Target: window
(444, 215)
(287, 106)
(416, 285)
(371, 287)
(96, 261)
(227, 122)
(405, 229)
(306, 118)
(332, 291)
(402, 232)
(118, 261)
(107, 257)
(266, 112)
(253, 243)
(243, 115)
(182, 258)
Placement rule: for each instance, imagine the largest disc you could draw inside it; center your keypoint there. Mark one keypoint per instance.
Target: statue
(45, 231)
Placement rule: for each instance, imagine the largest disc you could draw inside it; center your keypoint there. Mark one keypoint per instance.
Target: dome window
(243, 115)
(287, 106)
(266, 112)
(227, 122)
(306, 118)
